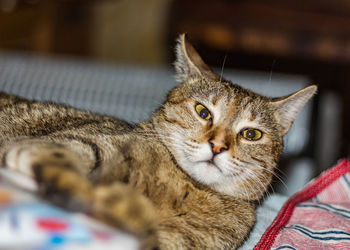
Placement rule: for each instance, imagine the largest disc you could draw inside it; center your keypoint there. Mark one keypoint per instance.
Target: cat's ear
(189, 64)
(288, 107)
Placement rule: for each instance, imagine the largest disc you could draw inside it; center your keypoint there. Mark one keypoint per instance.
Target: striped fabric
(317, 217)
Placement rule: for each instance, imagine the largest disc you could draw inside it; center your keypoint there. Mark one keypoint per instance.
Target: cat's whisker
(272, 173)
(161, 136)
(271, 70)
(192, 144)
(186, 146)
(179, 143)
(269, 184)
(222, 68)
(251, 174)
(275, 170)
(267, 181)
(281, 181)
(278, 171)
(233, 167)
(257, 180)
(246, 189)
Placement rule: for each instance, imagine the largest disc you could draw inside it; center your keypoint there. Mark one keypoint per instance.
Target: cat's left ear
(189, 64)
(288, 107)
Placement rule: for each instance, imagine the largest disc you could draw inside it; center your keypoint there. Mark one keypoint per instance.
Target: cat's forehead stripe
(246, 118)
(214, 99)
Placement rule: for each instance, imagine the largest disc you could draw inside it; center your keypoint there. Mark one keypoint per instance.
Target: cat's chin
(205, 172)
(210, 174)
(211, 164)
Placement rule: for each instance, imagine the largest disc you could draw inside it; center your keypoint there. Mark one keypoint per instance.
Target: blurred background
(273, 47)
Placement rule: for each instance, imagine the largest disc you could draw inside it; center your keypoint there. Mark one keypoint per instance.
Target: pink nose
(217, 146)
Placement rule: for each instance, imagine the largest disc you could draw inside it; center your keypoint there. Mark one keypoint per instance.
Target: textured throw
(318, 217)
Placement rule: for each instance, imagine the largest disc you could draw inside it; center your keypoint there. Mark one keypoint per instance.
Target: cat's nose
(217, 146)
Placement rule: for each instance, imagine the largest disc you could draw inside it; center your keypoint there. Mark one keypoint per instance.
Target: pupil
(251, 133)
(204, 113)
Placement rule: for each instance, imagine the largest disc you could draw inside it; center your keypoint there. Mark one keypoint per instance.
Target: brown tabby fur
(178, 181)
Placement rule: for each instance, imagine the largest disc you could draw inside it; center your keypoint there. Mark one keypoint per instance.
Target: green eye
(203, 112)
(251, 134)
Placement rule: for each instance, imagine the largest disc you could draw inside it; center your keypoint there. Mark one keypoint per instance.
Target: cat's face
(222, 135)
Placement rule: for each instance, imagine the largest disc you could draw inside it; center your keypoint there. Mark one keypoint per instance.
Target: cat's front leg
(56, 172)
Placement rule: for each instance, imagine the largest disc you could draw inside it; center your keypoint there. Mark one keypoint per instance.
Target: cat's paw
(19, 159)
(63, 187)
(122, 207)
(22, 158)
(55, 172)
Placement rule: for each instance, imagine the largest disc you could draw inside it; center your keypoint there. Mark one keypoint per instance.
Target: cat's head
(223, 135)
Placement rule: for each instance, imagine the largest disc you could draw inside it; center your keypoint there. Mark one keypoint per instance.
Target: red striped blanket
(317, 217)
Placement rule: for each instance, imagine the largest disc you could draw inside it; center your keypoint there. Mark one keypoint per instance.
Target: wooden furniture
(59, 27)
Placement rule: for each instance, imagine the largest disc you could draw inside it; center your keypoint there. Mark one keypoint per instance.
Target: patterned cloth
(28, 223)
(318, 217)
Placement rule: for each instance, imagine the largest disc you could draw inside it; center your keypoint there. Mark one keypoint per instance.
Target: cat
(189, 178)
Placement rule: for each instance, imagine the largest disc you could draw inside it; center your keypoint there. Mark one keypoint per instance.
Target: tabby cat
(187, 179)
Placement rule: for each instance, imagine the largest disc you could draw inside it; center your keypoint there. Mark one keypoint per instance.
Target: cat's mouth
(211, 163)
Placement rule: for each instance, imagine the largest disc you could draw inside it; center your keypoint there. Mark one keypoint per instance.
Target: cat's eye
(203, 112)
(251, 134)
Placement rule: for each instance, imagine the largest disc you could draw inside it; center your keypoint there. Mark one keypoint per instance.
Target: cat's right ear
(288, 107)
(188, 64)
